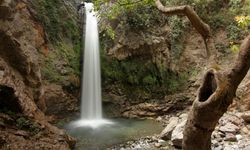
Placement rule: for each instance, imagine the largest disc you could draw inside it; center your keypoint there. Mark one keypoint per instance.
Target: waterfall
(91, 107)
(91, 101)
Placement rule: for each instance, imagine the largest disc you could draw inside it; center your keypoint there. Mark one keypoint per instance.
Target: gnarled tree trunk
(214, 96)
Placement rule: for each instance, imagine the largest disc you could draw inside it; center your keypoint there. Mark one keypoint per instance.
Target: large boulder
(177, 134)
(166, 133)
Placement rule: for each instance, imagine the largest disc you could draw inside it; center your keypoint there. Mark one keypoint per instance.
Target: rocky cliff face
(22, 38)
(152, 44)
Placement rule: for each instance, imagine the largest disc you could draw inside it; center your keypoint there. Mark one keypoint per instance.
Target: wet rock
(159, 119)
(177, 134)
(64, 106)
(166, 133)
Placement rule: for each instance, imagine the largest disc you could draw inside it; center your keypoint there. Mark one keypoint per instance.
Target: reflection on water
(122, 130)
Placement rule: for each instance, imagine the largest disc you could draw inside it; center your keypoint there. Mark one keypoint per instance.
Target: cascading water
(91, 84)
(91, 107)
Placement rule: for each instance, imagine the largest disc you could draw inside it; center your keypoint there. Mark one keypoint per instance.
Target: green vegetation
(62, 30)
(61, 63)
(7, 111)
(237, 31)
(58, 19)
(136, 16)
(177, 26)
(141, 78)
(28, 125)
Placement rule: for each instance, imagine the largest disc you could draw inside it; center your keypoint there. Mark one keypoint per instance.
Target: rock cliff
(22, 93)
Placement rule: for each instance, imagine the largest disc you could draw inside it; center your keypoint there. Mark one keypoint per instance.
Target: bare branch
(188, 11)
(242, 64)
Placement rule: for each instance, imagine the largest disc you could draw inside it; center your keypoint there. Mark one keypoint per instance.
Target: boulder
(177, 134)
(231, 118)
(166, 133)
(229, 128)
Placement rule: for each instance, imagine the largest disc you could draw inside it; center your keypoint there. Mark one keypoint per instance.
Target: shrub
(26, 124)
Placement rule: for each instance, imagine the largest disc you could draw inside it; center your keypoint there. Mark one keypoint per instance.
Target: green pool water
(108, 135)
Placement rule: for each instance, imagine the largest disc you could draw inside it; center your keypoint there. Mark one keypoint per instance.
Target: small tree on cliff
(217, 90)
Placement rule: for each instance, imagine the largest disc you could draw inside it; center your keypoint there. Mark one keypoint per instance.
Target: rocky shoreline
(231, 133)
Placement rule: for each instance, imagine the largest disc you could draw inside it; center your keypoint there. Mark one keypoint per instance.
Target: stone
(230, 137)
(231, 147)
(245, 130)
(166, 133)
(177, 134)
(183, 116)
(246, 148)
(238, 137)
(215, 143)
(231, 118)
(229, 128)
(158, 145)
(246, 116)
(218, 148)
(159, 119)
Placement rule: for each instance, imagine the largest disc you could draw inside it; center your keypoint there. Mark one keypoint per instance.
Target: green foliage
(221, 47)
(141, 76)
(235, 48)
(56, 19)
(243, 21)
(143, 17)
(177, 26)
(7, 111)
(62, 30)
(110, 32)
(234, 4)
(63, 61)
(26, 124)
(60, 123)
(237, 30)
(149, 80)
(233, 32)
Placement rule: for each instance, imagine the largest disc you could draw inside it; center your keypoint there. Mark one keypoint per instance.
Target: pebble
(238, 137)
(158, 145)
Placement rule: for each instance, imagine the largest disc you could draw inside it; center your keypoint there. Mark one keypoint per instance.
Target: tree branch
(188, 11)
(242, 63)
(196, 21)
